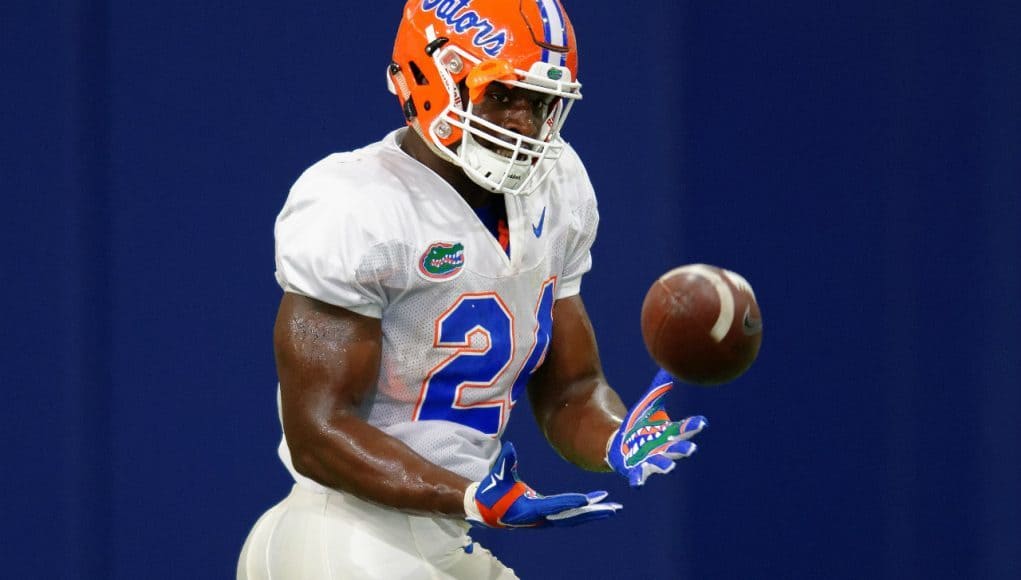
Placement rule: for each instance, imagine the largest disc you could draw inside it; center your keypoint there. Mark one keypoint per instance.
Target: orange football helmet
(521, 43)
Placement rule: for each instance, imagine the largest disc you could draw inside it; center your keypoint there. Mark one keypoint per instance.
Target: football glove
(648, 441)
(502, 500)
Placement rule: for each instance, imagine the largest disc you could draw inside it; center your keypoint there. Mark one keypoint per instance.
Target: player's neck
(473, 195)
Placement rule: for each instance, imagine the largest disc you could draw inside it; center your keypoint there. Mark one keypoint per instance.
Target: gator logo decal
(648, 438)
(649, 430)
(442, 260)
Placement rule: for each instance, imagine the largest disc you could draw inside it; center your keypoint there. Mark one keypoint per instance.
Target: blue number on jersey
(486, 318)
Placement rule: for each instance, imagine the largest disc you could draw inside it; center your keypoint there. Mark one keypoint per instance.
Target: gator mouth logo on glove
(442, 261)
(652, 434)
(648, 442)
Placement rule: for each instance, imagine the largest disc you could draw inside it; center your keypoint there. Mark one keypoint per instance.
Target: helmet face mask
(436, 57)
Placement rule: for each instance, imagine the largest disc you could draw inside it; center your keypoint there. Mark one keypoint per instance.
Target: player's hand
(648, 441)
(502, 500)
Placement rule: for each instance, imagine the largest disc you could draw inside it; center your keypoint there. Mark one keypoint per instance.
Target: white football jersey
(464, 324)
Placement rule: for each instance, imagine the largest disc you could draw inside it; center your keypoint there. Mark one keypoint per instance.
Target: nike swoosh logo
(495, 477)
(537, 229)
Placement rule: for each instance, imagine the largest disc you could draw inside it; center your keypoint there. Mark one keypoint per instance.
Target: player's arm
(575, 407)
(328, 361)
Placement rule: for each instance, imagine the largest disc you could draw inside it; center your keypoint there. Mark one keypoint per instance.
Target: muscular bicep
(573, 404)
(327, 360)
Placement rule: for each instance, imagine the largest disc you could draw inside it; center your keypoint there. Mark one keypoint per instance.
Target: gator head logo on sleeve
(443, 260)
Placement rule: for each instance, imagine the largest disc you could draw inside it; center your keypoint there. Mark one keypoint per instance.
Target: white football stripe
(726, 316)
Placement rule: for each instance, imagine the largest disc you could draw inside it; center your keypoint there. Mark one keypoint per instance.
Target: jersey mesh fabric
(354, 233)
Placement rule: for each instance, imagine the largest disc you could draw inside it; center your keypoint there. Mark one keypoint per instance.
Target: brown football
(702, 324)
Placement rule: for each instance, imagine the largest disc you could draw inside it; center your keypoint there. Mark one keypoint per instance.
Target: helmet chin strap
(490, 170)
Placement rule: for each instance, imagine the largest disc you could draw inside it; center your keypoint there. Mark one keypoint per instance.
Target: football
(702, 324)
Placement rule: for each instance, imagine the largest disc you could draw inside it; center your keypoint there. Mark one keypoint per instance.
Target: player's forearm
(350, 455)
(575, 407)
(580, 422)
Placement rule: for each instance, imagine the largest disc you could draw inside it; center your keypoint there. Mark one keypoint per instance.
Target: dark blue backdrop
(859, 162)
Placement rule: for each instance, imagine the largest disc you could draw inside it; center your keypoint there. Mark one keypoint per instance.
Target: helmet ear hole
(420, 79)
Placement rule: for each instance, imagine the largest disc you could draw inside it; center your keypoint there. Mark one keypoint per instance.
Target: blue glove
(648, 441)
(502, 500)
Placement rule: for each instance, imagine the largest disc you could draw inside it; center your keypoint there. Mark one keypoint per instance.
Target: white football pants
(327, 536)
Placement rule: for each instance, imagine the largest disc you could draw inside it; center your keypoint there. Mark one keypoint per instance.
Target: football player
(429, 280)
